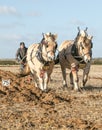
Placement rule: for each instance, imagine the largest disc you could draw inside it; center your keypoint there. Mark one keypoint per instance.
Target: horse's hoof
(45, 90)
(80, 90)
(75, 89)
(65, 86)
(72, 86)
(82, 87)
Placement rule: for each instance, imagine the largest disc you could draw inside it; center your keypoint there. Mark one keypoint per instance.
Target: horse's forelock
(83, 33)
(50, 38)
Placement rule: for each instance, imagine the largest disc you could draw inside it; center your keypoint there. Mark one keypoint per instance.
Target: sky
(26, 20)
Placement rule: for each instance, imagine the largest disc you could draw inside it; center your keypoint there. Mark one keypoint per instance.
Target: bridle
(75, 53)
(39, 53)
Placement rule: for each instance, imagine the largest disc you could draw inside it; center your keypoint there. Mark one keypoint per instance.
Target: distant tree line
(8, 62)
(95, 61)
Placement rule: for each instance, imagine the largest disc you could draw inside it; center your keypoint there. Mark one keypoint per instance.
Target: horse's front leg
(46, 79)
(85, 78)
(74, 70)
(41, 79)
(34, 76)
(41, 85)
(85, 74)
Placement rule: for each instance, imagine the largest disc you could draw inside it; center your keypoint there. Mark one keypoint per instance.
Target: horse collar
(40, 57)
(74, 52)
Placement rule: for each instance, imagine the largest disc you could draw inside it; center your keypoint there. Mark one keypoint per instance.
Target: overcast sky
(25, 20)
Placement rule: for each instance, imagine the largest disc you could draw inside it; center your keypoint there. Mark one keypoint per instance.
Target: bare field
(24, 107)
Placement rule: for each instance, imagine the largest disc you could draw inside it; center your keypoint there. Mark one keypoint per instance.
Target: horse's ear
(86, 29)
(82, 33)
(55, 36)
(48, 34)
(90, 37)
(78, 29)
(45, 36)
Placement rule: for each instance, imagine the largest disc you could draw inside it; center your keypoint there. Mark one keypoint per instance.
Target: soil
(25, 107)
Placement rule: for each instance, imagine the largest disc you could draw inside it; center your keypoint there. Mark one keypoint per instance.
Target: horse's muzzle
(87, 59)
(51, 58)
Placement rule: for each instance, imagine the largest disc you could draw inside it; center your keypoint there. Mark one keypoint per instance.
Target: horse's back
(65, 44)
(31, 54)
(65, 57)
(33, 46)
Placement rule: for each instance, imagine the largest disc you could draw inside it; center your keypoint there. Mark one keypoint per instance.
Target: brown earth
(24, 107)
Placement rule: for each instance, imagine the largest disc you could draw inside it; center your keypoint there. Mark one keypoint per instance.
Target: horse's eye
(82, 47)
(47, 46)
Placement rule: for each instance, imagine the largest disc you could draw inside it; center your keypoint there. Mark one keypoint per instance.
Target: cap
(22, 43)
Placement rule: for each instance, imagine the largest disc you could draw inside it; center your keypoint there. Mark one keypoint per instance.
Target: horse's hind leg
(71, 79)
(64, 76)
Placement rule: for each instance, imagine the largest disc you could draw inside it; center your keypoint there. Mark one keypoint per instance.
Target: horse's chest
(45, 70)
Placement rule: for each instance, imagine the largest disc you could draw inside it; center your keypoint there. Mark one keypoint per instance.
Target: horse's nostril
(87, 60)
(52, 57)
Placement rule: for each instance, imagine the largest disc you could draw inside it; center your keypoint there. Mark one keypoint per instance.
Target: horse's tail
(56, 61)
(26, 71)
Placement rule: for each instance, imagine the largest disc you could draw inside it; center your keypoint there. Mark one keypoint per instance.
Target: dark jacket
(21, 54)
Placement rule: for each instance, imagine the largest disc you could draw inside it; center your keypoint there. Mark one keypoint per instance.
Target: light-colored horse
(40, 60)
(76, 54)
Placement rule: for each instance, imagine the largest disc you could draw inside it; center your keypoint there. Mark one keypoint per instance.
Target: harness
(74, 52)
(40, 57)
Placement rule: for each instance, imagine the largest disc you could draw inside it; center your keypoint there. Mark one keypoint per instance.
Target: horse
(74, 55)
(40, 60)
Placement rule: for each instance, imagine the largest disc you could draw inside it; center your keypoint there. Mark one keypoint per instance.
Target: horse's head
(84, 45)
(49, 45)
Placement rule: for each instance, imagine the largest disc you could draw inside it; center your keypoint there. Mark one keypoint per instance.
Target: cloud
(16, 38)
(5, 10)
(77, 22)
(11, 25)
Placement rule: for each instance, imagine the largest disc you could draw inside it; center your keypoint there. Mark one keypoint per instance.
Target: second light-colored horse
(76, 54)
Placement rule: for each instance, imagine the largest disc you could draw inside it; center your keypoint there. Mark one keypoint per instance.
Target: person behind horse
(21, 55)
